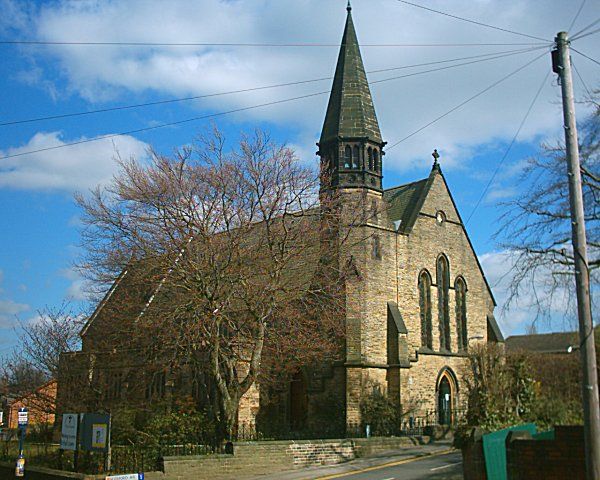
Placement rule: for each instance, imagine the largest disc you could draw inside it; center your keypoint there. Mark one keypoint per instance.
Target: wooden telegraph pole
(561, 64)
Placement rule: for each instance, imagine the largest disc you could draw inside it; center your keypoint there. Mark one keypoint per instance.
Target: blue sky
(39, 224)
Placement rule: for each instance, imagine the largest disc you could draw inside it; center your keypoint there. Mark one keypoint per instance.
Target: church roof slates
(404, 202)
(350, 112)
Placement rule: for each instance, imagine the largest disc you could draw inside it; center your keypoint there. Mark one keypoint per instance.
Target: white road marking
(445, 466)
(391, 478)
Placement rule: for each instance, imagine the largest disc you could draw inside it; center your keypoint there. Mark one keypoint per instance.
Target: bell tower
(350, 147)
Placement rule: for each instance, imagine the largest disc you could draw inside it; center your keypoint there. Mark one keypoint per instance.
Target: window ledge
(442, 353)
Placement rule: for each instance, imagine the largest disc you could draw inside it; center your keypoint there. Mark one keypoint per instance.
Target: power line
(581, 80)
(576, 15)
(162, 125)
(451, 66)
(242, 109)
(453, 109)
(586, 34)
(246, 90)
(512, 142)
(584, 55)
(594, 23)
(472, 21)
(233, 44)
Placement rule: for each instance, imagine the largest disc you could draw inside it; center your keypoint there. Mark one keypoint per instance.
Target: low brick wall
(473, 458)
(558, 459)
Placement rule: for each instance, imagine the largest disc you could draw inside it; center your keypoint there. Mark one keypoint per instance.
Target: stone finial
(435, 156)
(349, 7)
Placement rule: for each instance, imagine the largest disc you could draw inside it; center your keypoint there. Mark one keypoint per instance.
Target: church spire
(351, 140)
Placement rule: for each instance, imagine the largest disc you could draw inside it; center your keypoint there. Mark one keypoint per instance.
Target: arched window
(443, 281)
(460, 290)
(370, 156)
(376, 247)
(355, 157)
(376, 160)
(425, 305)
(348, 157)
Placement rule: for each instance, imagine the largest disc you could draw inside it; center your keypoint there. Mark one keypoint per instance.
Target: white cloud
(8, 312)
(497, 192)
(101, 73)
(521, 313)
(77, 289)
(79, 167)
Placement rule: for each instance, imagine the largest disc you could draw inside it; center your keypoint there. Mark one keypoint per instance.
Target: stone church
(420, 301)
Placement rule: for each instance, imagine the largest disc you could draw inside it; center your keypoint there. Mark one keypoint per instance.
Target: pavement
(432, 461)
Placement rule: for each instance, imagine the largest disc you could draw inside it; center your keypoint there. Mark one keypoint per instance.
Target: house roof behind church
(556, 342)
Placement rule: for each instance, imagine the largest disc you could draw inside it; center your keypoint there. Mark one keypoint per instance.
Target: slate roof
(350, 112)
(296, 278)
(557, 342)
(404, 202)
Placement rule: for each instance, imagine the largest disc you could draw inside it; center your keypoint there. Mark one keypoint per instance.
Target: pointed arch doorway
(446, 393)
(298, 402)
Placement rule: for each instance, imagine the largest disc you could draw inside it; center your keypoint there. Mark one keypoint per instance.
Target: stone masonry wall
(394, 277)
(252, 459)
(418, 251)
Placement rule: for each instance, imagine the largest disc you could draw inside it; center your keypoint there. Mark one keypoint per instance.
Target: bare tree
(52, 332)
(536, 227)
(232, 257)
(34, 362)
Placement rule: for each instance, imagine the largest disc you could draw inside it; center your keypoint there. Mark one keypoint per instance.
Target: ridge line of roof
(405, 184)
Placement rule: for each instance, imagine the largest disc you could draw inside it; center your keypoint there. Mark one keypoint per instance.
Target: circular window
(440, 217)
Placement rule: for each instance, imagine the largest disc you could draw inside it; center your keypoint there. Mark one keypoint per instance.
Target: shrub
(381, 413)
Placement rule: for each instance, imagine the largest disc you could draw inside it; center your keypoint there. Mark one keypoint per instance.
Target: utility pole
(561, 64)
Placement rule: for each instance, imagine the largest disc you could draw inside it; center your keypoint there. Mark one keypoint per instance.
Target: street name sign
(68, 437)
(127, 476)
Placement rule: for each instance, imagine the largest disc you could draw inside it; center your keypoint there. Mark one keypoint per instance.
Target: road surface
(436, 467)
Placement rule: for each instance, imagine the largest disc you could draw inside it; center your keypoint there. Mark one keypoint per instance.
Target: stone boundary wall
(558, 459)
(322, 453)
(249, 459)
(258, 458)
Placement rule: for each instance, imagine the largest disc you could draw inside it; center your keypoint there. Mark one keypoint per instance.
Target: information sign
(94, 435)
(68, 437)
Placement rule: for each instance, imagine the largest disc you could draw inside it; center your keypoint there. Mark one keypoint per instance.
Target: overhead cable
(472, 21)
(584, 55)
(492, 56)
(453, 109)
(581, 80)
(579, 37)
(242, 109)
(584, 29)
(234, 44)
(576, 15)
(511, 144)
(163, 125)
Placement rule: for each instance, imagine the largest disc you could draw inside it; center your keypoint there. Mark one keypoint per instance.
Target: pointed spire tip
(349, 7)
